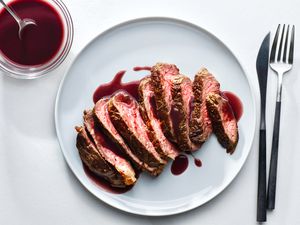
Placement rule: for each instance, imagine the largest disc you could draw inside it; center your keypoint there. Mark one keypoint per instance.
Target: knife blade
(262, 65)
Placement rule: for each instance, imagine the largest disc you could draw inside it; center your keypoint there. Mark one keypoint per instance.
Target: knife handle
(261, 215)
(274, 159)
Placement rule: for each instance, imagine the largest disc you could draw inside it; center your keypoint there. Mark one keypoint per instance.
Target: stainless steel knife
(262, 65)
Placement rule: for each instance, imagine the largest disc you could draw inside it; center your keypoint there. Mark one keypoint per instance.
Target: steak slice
(108, 149)
(161, 75)
(200, 124)
(148, 103)
(125, 115)
(102, 114)
(94, 161)
(182, 95)
(223, 121)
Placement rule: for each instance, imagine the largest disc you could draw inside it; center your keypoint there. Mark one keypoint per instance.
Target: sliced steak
(102, 114)
(182, 95)
(125, 115)
(108, 150)
(148, 103)
(94, 161)
(200, 124)
(161, 75)
(223, 121)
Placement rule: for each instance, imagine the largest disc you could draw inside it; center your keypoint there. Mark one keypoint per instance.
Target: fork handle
(274, 158)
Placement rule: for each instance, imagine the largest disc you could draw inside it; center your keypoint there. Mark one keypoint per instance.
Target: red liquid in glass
(39, 44)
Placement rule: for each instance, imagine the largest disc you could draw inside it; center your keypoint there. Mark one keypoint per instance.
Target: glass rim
(36, 71)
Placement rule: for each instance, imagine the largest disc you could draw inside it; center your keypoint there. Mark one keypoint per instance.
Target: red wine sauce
(197, 161)
(235, 103)
(180, 164)
(139, 68)
(115, 85)
(39, 44)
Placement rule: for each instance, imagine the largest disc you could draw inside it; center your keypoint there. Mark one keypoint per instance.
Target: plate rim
(193, 204)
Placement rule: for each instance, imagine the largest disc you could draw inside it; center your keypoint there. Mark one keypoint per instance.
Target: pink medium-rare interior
(101, 111)
(167, 71)
(150, 106)
(228, 119)
(187, 97)
(129, 111)
(106, 147)
(210, 85)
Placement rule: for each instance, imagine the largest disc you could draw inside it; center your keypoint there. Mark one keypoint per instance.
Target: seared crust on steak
(149, 114)
(94, 161)
(108, 150)
(167, 115)
(102, 114)
(223, 121)
(200, 124)
(160, 75)
(125, 115)
(182, 96)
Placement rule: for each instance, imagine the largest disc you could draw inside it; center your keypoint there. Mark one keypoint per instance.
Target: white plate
(144, 42)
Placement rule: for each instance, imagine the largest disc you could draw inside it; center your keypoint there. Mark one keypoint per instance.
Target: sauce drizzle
(235, 103)
(140, 68)
(180, 164)
(116, 84)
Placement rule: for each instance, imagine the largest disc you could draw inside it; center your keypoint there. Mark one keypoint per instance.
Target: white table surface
(36, 185)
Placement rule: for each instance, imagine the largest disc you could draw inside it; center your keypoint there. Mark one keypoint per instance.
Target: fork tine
(281, 41)
(274, 45)
(291, 53)
(286, 44)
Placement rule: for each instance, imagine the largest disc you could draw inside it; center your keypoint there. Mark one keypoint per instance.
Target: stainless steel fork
(281, 61)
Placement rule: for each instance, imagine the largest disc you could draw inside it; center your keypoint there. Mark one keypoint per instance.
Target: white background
(36, 185)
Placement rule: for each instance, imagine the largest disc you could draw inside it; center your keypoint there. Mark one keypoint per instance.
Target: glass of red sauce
(41, 48)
